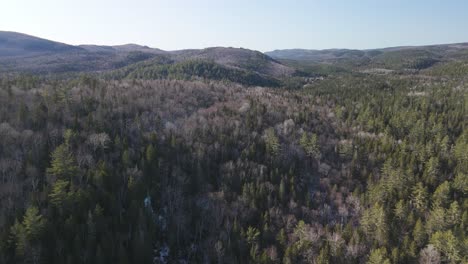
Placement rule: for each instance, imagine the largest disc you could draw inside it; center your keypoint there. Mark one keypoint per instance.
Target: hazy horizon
(143, 44)
(261, 25)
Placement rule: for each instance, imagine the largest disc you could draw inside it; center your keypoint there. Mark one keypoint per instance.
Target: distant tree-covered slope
(21, 53)
(193, 69)
(18, 44)
(315, 55)
(238, 58)
(397, 58)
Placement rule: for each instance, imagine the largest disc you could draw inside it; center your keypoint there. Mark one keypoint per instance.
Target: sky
(255, 24)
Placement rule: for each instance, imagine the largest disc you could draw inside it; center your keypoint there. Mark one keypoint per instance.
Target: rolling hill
(28, 54)
(394, 58)
(18, 44)
(21, 53)
(237, 58)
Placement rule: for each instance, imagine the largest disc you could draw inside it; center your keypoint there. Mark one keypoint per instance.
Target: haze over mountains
(45, 56)
(328, 54)
(23, 53)
(394, 58)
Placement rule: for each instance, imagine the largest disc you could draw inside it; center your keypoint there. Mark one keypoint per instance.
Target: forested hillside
(222, 155)
(24, 54)
(397, 59)
(351, 169)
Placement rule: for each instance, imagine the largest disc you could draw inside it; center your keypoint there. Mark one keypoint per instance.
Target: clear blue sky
(262, 25)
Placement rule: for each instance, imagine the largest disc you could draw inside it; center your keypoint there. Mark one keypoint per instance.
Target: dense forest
(197, 162)
(351, 169)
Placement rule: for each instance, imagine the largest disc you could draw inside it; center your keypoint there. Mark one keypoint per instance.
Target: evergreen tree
(63, 164)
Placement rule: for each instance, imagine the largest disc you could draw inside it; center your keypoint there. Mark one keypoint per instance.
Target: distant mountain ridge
(318, 55)
(122, 48)
(313, 54)
(18, 44)
(23, 53)
(392, 58)
(237, 58)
